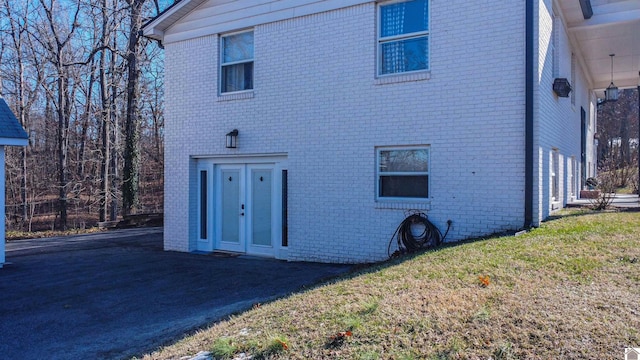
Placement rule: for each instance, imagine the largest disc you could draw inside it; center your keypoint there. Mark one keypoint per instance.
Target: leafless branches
(73, 73)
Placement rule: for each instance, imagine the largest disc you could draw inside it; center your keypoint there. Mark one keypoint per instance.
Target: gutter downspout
(528, 117)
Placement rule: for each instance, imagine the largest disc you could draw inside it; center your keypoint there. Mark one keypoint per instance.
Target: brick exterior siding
(316, 98)
(558, 123)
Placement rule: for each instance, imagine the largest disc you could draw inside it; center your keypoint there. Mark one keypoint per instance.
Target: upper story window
(403, 173)
(236, 65)
(554, 45)
(573, 78)
(403, 37)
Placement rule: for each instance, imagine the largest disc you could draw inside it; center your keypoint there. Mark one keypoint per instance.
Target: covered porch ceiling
(598, 28)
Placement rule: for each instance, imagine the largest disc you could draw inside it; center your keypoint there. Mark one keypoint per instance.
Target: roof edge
(169, 8)
(7, 141)
(155, 27)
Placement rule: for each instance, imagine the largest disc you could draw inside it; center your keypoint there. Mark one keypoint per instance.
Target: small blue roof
(10, 127)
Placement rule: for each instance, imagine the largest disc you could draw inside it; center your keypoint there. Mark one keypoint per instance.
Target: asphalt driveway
(117, 294)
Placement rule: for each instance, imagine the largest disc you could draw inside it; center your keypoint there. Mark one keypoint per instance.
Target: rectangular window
(203, 204)
(285, 213)
(236, 65)
(554, 46)
(573, 78)
(403, 37)
(403, 173)
(572, 176)
(555, 175)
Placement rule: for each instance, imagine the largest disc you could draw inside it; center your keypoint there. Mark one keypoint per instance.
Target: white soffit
(614, 28)
(156, 27)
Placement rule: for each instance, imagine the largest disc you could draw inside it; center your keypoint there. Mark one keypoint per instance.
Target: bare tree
(25, 82)
(87, 87)
(617, 148)
(105, 115)
(57, 41)
(131, 171)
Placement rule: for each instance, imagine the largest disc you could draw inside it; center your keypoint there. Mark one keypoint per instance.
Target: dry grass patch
(566, 290)
(18, 235)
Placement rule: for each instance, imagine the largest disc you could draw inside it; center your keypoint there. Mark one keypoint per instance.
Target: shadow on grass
(358, 270)
(363, 269)
(355, 271)
(368, 268)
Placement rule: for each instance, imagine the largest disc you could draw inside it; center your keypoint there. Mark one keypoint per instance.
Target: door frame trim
(205, 244)
(245, 158)
(218, 244)
(209, 162)
(275, 205)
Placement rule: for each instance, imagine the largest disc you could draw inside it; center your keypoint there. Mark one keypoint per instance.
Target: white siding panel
(213, 18)
(213, 10)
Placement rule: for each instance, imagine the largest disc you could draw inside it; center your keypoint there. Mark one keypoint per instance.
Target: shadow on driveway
(117, 294)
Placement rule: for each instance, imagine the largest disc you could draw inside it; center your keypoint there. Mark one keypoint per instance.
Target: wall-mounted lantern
(232, 139)
(561, 87)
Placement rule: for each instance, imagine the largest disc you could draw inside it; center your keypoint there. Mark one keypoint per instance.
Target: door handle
(242, 206)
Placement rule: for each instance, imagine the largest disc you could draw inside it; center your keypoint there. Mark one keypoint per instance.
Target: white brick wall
(317, 100)
(558, 123)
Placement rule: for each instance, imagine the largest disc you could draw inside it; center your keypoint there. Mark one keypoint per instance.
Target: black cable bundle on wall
(408, 242)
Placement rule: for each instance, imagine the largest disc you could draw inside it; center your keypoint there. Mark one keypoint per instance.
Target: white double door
(244, 209)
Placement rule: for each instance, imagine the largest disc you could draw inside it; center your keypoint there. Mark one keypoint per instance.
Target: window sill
(401, 205)
(402, 77)
(239, 95)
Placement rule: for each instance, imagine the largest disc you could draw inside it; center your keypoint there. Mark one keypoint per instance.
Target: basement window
(402, 173)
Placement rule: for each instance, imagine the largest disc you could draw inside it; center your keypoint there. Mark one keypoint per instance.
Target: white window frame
(554, 44)
(555, 175)
(382, 40)
(573, 79)
(379, 174)
(572, 176)
(244, 61)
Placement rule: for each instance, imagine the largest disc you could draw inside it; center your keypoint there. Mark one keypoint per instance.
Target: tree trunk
(85, 123)
(56, 47)
(105, 119)
(62, 153)
(114, 137)
(131, 171)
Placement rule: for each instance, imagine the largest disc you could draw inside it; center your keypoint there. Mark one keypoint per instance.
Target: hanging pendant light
(611, 93)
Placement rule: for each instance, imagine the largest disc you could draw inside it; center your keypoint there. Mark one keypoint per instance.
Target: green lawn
(569, 289)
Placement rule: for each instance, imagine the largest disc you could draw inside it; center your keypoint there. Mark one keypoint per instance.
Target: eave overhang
(598, 28)
(156, 27)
